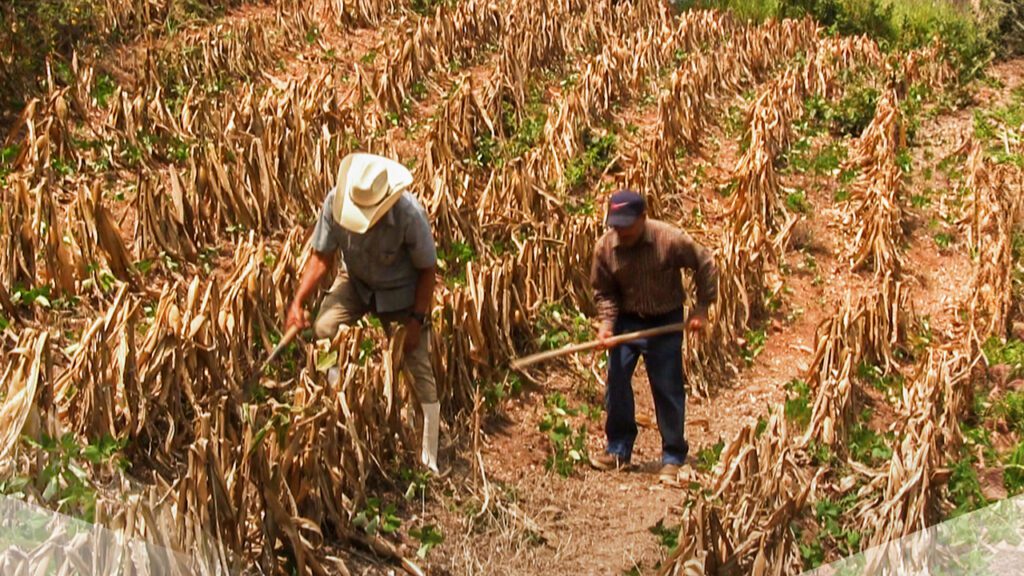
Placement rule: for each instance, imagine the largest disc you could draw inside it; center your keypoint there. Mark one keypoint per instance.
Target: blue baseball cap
(624, 207)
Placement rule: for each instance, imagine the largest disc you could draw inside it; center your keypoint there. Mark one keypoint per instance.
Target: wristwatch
(419, 317)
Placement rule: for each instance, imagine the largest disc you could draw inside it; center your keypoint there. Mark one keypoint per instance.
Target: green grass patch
(597, 153)
(796, 201)
(1010, 353)
(798, 403)
(866, 445)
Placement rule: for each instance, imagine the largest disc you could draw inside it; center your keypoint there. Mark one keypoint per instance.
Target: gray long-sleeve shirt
(383, 262)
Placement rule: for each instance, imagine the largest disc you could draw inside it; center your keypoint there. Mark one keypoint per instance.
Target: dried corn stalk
(876, 211)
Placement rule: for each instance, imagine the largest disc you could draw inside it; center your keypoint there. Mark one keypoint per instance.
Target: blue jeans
(663, 356)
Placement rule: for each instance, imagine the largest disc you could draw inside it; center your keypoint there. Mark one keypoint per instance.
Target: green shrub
(902, 24)
(1011, 353)
(568, 444)
(597, 154)
(31, 31)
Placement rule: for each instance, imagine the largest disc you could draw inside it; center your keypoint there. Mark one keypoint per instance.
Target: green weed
(796, 201)
(429, 536)
(452, 261)
(559, 326)
(753, 344)
(1010, 353)
(708, 456)
(798, 403)
(377, 517)
(568, 445)
(597, 154)
(667, 537)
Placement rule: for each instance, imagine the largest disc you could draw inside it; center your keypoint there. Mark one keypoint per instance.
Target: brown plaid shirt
(644, 278)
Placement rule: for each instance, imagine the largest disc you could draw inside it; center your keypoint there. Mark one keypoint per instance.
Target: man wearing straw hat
(637, 285)
(388, 268)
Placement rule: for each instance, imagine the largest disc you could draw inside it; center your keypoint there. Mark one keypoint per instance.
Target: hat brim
(622, 220)
(359, 219)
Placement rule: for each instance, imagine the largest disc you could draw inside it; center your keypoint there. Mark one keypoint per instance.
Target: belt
(659, 316)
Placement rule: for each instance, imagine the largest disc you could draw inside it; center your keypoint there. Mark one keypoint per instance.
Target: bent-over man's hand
(296, 317)
(603, 334)
(697, 321)
(413, 328)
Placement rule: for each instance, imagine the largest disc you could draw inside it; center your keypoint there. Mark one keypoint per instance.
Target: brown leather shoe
(668, 474)
(608, 461)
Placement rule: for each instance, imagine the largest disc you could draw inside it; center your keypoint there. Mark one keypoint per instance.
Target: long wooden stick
(613, 341)
(285, 341)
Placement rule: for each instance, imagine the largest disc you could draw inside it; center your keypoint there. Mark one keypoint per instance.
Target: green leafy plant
(964, 487)
(753, 344)
(568, 445)
(798, 403)
(559, 326)
(376, 517)
(497, 391)
(38, 296)
(1010, 353)
(877, 378)
(597, 154)
(1011, 408)
(667, 537)
(452, 261)
(868, 446)
(854, 112)
(64, 482)
(1013, 473)
(708, 456)
(830, 517)
(797, 202)
(429, 536)
(102, 89)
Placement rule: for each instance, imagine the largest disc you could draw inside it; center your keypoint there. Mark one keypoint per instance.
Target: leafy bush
(33, 30)
(904, 24)
(559, 326)
(1013, 475)
(1011, 353)
(596, 155)
(798, 403)
(568, 445)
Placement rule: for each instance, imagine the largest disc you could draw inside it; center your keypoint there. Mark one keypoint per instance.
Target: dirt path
(607, 522)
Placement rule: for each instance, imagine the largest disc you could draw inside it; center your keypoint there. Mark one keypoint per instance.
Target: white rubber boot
(431, 432)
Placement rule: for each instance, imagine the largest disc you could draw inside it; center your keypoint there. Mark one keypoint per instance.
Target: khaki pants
(343, 307)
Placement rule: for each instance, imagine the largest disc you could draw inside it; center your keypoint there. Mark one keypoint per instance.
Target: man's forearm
(312, 273)
(607, 311)
(425, 291)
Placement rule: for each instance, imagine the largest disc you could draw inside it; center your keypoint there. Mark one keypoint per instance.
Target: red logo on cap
(616, 206)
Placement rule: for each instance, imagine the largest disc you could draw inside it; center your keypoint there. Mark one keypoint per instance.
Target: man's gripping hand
(296, 317)
(603, 334)
(697, 321)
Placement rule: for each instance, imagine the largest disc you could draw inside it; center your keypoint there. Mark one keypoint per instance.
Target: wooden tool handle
(289, 335)
(613, 341)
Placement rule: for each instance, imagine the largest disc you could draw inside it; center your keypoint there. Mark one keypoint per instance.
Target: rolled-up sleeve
(606, 291)
(688, 254)
(420, 241)
(327, 234)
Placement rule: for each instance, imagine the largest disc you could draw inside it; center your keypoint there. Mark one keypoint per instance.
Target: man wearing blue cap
(637, 285)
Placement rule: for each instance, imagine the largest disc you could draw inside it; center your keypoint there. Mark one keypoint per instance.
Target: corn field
(157, 207)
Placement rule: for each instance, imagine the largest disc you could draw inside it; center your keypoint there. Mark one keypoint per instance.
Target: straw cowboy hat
(368, 186)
